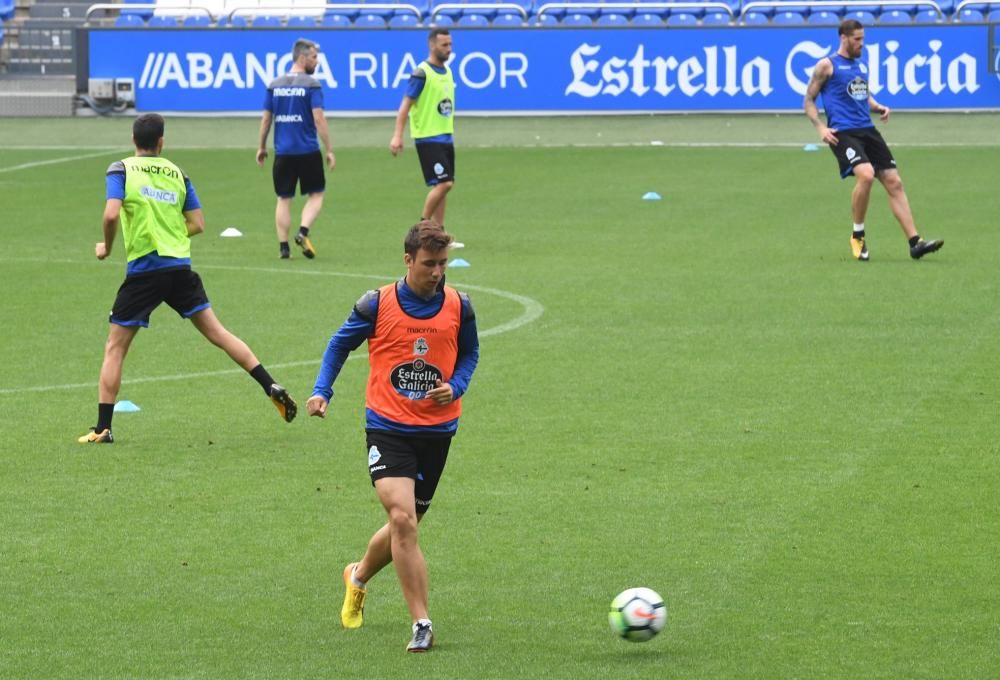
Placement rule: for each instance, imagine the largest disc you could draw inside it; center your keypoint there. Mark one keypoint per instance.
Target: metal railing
(287, 10)
(777, 4)
(120, 7)
(722, 6)
(480, 7)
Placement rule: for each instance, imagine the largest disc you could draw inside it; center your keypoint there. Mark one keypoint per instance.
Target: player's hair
(302, 46)
(848, 26)
(428, 235)
(436, 31)
(147, 130)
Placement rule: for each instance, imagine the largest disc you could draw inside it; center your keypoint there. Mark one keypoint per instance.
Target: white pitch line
(54, 161)
(532, 311)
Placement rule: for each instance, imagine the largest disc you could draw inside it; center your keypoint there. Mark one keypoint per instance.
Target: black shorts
(437, 160)
(864, 145)
(139, 295)
(419, 458)
(305, 170)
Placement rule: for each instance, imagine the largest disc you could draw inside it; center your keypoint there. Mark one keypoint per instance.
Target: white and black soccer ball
(637, 614)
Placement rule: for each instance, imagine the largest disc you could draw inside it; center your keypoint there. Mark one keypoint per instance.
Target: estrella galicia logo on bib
(444, 107)
(415, 378)
(374, 455)
(858, 89)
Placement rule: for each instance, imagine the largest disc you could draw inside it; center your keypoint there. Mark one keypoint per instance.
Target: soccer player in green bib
(429, 103)
(158, 210)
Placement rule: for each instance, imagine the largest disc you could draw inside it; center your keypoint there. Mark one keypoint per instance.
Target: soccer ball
(637, 614)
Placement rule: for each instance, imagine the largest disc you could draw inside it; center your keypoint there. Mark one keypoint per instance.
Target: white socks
(355, 581)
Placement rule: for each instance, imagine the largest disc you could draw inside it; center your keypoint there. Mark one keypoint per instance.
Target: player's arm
(413, 90)
(359, 327)
(265, 128)
(323, 130)
(875, 107)
(465, 362)
(194, 218)
(821, 74)
(109, 225)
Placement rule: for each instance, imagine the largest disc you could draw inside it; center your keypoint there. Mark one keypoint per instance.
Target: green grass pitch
(703, 395)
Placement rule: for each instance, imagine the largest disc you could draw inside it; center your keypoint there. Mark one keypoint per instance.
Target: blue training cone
(651, 196)
(811, 147)
(126, 406)
(458, 262)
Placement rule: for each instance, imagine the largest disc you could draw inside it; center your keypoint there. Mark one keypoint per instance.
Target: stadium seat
(716, 18)
(369, 21)
(544, 20)
(577, 20)
(647, 20)
(788, 19)
(442, 20)
(156, 21)
(894, 16)
(970, 16)
(301, 22)
(335, 21)
(754, 19)
(508, 19)
(994, 17)
(682, 19)
(197, 21)
(822, 18)
(144, 13)
(612, 20)
(266, 21)
(238, 21)
(866, 18)
(129, 21)
(7, 9)
(927, 16)
(616, 9)
(407, 20)
(473, 21)
(591, 12)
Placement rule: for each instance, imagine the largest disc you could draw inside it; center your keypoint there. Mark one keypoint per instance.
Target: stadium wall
(559, 71)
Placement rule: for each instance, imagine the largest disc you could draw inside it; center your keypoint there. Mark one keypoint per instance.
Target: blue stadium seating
(894, 16)
(6, 12)
(612, 20)
(129, 21)
(301, 22)
(407, 20)
(473, 21)
(822, 18)
(544, 20)
(197, 21)
(335, 21)
(162, 22)
(927, 16)
(754, 19)
(508, 19)
(612, 8)
(968, 16)
(369, 21)
(577, 20)
(716, 18)
(442, 20)
(238, 21)
(647, 19)
(266, 21)
(994, 17)
(866, 18)
(788, 19)
(682, 19)
(144, 13)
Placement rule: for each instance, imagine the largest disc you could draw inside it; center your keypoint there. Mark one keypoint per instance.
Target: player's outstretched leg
(922, 247)
(283, 402)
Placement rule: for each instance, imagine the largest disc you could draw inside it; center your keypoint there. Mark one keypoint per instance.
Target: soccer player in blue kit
(294, 103)
(842, 80)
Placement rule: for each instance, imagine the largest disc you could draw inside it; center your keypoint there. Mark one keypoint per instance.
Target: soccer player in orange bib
(423, 348)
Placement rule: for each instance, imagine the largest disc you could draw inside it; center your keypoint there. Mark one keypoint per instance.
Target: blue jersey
(361, 324)
(845, 95)
(291, 100)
